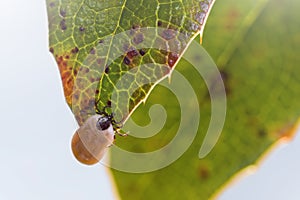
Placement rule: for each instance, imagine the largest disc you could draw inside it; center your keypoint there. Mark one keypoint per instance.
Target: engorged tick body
(91, 141)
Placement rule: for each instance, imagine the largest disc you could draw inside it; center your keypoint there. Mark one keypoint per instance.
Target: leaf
(96, 42)
(256, 45)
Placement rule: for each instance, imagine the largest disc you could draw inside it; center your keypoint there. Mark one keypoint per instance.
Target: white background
(36, 126)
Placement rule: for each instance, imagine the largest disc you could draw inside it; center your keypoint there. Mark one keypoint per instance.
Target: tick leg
(118, 124)
(96, 108)
(123, 134)
(103, 111)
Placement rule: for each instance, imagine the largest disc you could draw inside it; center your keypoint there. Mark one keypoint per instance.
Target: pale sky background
(37, 126)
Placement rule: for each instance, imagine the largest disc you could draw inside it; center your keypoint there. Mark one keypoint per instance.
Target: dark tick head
(104, 122)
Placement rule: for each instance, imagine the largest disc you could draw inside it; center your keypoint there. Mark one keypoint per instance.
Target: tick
(92, 140)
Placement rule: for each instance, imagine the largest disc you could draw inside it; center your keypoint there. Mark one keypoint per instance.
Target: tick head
(103, 123)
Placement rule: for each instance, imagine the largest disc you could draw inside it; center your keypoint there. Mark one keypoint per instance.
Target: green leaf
(96, 42)
(256, 45)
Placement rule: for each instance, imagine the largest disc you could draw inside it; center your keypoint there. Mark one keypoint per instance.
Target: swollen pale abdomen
(89, 144)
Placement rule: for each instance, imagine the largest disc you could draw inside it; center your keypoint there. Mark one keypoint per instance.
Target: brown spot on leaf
(75, 72)
(81, 29)
(126, 61)
(75, 50)
(62, 12)
(63, 25)
(51, 50)
(203, 172)
(66, 76)
(99, 61)
(216, 80)
(224, 75)
(200, 17)
(65, 64)
(51, 4)
(125, 47)
(135, 27)
(76, 97)
(225, 78)
(142, 52)
(132, 53)
(159, 23)
(92, 51)
(204, 6)
(109, 103)
(231, 18)
(107, 69)
(168, 34)
(262, 133)
(172, 59)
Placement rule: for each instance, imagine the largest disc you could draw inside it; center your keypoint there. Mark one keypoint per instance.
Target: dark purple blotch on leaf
(168, 34)
(132, 53)
(138, 38)
(159, 23)
(81, 29)
(52, 4)
(126, 60)
(75, 50)
(106, 70)
(63, 25)
(93, 51)
(142, 52)
(51, 50)
(62, 12)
